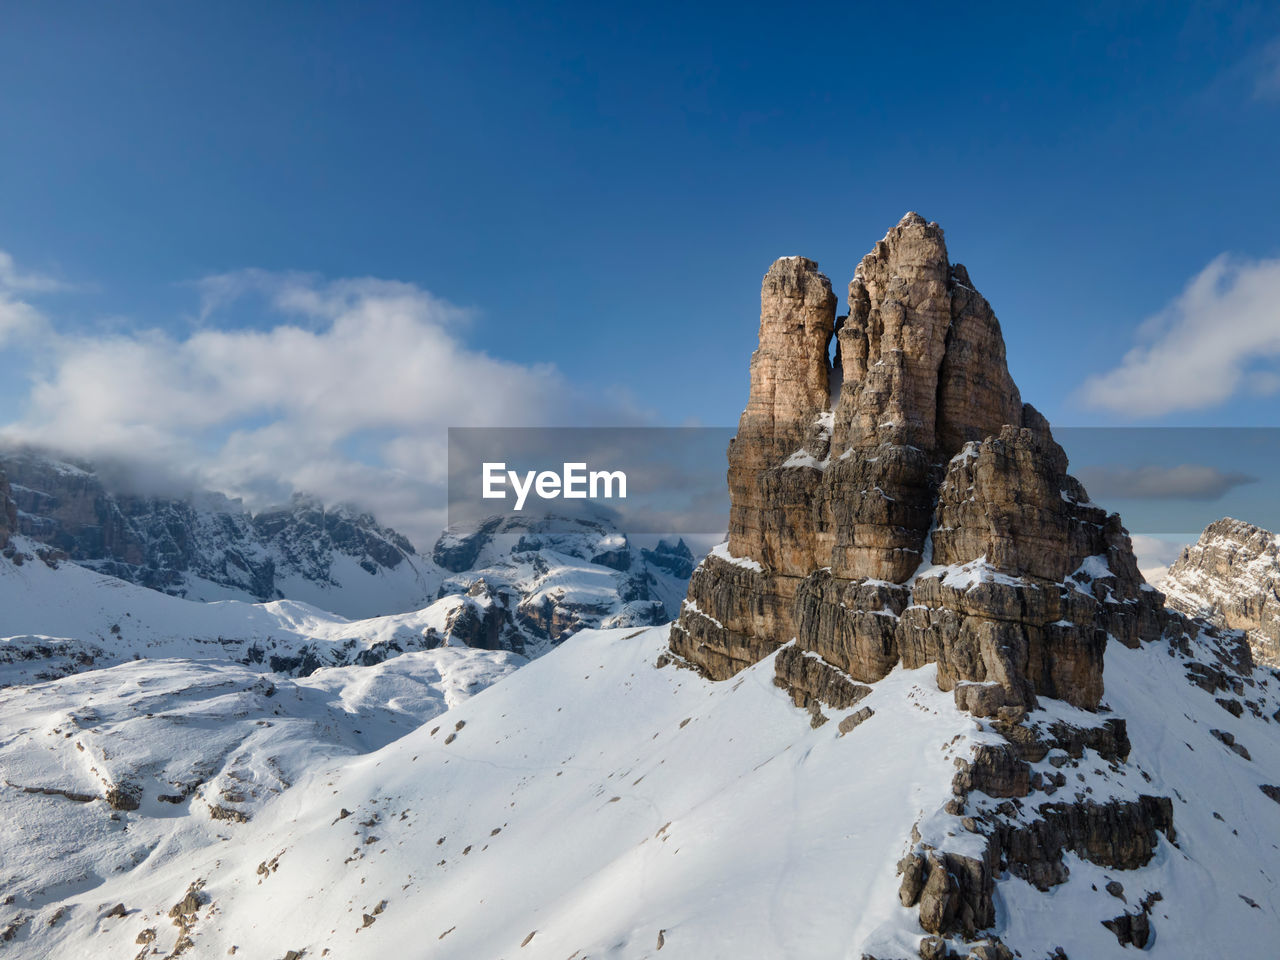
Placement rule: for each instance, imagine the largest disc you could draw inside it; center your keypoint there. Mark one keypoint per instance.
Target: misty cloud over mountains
(344, 390)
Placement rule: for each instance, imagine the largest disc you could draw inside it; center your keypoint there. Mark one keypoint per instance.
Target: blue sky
(598, 189)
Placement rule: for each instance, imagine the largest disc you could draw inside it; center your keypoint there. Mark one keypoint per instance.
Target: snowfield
(179, 779)
(590, 800)
(590, 805)
(152, 760)
(59, 621)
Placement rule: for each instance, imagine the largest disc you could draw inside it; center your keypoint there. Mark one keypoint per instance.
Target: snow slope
(154, 760)
(205, 546)
(64, 619)
(591, 805)
(590, 798)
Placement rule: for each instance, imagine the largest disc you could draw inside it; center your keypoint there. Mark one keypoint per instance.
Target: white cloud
(1267, 72)
(1156, 554)
(19, 319)
(1187, 481)
(347, 397)
(1220, 338)
(11, 278)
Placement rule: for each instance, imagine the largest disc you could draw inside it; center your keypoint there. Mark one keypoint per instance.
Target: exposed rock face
(1231, 576)
(919, 513)
(903, 505)
(206, 546)
(790, 386)
(531, 583)
(8, 511)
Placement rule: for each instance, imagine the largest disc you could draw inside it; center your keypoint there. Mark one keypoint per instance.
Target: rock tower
(903, 505)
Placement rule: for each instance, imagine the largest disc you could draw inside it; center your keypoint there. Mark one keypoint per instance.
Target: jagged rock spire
(790, 376)
(924, 516)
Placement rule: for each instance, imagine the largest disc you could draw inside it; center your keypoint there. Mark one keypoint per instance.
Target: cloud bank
(19, 320)
(1219, 339)
(346, 392)
(1156, 555)
(1187, 481)
(1267, 72)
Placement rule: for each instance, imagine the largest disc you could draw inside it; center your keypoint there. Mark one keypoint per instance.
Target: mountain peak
(1231, 576)
(909, 511)
(885, 479)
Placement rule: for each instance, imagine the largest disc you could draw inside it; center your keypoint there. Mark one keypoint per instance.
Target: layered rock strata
(900, 504)
(1231, 576)
(169, 543)
(917, 512)
(8, 512)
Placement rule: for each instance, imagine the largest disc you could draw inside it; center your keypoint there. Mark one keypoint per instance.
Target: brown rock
(912, 869)
(939, 897)
(1231, 577)
(789, 388)
(893, 342)
(1131, 929)
(812, 681)
(855, 719)
(996, 771)
(918, 442)
(736, 616)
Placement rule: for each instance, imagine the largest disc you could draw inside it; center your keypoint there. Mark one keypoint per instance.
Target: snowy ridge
(1231, 576)
(623, 790)
(590, 805)
(206, 546)
(67, 619)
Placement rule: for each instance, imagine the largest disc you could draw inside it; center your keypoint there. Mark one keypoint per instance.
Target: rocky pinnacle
(900, 503)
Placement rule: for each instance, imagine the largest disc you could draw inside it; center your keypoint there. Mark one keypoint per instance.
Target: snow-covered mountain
(1231, 576)
(549, 578)
(204, 546)
(58, 618)
(592, 806)
(527, 587)
(920, 705)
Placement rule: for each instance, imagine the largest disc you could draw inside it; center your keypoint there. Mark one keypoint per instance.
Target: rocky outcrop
(1024, 828)
(531, 583)
(204, 545)
(8, 511)
(1231, 576)
(919, 513)
(675, 559)
(900, 504)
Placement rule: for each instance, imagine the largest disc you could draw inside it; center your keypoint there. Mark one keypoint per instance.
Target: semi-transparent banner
(672, 480)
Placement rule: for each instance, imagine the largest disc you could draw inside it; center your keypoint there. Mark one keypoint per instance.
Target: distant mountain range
(537, 586)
